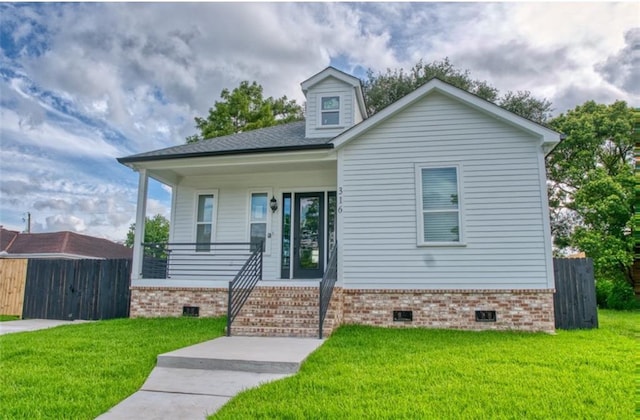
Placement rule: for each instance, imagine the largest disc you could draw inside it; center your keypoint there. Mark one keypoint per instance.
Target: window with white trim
(330, 110)
(439, 217)
(204, 222)
(258, 218)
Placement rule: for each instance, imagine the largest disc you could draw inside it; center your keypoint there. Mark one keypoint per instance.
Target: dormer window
(329, 111)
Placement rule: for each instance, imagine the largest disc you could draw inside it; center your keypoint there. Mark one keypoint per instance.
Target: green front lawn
(8, 317)
(375, 373)
(80, 371)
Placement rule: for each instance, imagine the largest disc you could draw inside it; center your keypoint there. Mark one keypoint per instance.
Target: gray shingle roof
(277, 138)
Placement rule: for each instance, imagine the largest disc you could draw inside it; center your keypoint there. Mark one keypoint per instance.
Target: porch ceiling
(172, 171)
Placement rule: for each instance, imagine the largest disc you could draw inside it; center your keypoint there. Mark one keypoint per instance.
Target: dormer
(335, 103)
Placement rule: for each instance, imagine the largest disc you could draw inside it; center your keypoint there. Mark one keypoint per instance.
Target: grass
(365, 372)
(8, 317)
(80, 371)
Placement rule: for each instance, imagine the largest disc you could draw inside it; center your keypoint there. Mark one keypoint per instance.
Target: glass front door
(308, 238)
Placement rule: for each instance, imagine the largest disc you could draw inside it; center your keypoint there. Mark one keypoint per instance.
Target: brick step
(271, 298)
(283, 313)
(285, 310)
(275, 317)
(297, 304)
(251, 319)
(268, 321)
(281, 292)
(280, 323)
(263, 331)
(290, 291)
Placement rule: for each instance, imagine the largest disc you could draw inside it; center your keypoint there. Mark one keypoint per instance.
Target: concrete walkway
(22, 325)
(194, 382)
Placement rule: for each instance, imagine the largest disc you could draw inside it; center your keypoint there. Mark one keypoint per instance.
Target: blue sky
(83, 84)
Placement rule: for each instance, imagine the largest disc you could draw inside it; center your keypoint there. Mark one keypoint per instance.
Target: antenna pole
(28, 222)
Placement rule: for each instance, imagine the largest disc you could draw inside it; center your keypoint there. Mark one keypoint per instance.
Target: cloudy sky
(82, 84)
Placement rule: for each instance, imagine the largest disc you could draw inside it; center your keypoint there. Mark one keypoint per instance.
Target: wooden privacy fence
(74, 289)
(575, 299)
(13, 273)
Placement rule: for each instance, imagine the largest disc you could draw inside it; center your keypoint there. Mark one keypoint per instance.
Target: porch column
(141, 212)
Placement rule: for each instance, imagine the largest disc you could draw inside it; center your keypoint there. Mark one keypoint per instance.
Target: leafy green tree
(383, 89)
(636, 139)
(244, 109)
(156, 230)
(591, 186)
(526, 105)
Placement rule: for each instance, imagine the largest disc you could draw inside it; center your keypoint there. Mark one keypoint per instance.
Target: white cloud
(82, 83)
(622, 69)
(62, 222)
(157, 207)
(54, 137)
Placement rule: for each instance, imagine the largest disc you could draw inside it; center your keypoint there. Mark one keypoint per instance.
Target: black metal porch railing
(326, 286)
(207, 261)
(242, 285)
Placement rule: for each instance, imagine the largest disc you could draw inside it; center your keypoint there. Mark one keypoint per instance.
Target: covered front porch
(241, 227)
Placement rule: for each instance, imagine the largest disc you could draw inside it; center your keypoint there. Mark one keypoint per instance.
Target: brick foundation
(168, 301)
(524, 310)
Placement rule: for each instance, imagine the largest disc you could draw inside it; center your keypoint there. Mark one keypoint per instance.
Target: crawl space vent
(402, 316)
(485, 316)
(191, 311)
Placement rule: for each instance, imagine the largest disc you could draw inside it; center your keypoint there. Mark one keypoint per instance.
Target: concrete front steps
(243, 354)
(282, 311)
(196, 381)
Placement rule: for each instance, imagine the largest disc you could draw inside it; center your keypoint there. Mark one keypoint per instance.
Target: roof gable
(330, 72)
(348, 79)
(6, 238)
(548, 138)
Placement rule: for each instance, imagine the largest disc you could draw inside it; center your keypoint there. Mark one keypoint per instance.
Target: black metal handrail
(326, 286)
(211, 260)
(243, 284)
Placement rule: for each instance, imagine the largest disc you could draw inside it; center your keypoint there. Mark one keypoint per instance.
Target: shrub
(621, 296)
(603, 290)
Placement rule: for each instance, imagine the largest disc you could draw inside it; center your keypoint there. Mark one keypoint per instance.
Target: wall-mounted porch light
(273, 203)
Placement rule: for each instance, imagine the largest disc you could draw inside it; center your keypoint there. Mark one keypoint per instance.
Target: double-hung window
(329, 111)
(439, 217)
(204, 222)
(258, 220)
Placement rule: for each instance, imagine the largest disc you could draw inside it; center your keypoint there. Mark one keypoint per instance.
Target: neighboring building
(67, 245)
(437, 204)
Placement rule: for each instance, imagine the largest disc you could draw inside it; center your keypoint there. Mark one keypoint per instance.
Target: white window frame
(340, 110)
(269, 234)
(420, 211)
(214, 214)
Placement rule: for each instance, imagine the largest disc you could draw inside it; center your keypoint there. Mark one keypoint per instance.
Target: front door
(308, 240)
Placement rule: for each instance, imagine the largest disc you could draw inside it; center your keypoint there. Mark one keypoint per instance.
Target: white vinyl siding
(501, 217)
(438, 210)
(233, 206)
(329, 88)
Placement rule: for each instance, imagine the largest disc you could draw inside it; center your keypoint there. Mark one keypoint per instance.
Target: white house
(437, 204)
